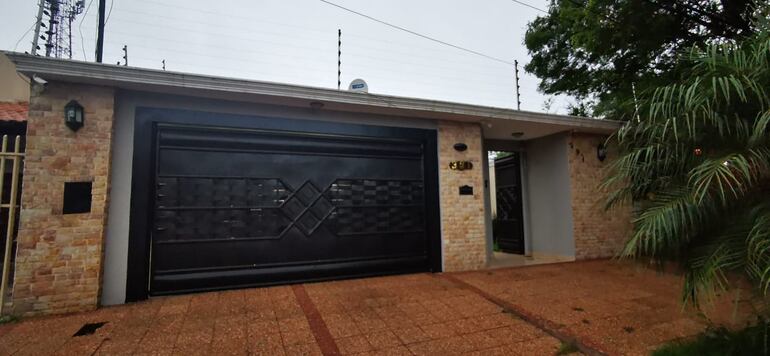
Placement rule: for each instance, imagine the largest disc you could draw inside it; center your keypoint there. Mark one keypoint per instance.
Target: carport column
(59, 256)
(462, 216)
(598, 233)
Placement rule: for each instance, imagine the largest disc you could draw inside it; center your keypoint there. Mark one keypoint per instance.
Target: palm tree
(695, 163)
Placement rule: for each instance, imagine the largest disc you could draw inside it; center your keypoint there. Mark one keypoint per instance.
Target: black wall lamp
(74, 115)
(460, 147)
(601, 152)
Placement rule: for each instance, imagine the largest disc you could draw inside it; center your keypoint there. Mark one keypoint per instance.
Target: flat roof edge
(114, 75)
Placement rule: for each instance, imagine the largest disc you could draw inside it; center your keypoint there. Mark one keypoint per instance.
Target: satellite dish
(358, 85)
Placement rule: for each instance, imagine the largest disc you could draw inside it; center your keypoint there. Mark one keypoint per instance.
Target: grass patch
(567, 348)
(7, 319)
(719, 342)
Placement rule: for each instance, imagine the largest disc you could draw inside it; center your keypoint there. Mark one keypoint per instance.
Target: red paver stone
(635, 311)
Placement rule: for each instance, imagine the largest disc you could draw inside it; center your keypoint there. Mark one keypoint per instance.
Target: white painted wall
(116, 244)
(548, 190)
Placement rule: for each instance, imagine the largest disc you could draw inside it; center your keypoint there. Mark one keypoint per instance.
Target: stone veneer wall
(58, 260)
(462, 216)
(598, 233)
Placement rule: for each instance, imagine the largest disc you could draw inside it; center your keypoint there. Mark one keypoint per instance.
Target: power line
(251, 19)
(358, 60)
(109, 12)
(348, 35)
(353, 58)
(468, 67)
(419, 34)
(25, 34)
(530, 6)
(436, 88)
(80, 30)
(429, 71)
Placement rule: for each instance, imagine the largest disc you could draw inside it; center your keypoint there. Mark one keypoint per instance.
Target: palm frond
(696, 167)
(726, 177)
(669, 219)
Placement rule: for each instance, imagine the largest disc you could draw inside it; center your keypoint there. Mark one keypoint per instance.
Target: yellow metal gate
(9, 206)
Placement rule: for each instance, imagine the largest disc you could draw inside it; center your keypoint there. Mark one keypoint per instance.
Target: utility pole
(35, 45)
(518, 95)
(100, 31)
(339, 58)
(125, 55)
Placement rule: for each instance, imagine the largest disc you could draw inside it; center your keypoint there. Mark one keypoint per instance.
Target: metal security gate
(11, 161)
(508, 228)
(232, 207)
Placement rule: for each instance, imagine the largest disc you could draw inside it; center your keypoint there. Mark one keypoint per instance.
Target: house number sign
(460, 165)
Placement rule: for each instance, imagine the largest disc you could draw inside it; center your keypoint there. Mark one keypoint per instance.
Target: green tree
(600, 50)
(695, 162)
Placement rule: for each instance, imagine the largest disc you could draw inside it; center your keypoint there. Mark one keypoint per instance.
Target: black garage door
(237, 201)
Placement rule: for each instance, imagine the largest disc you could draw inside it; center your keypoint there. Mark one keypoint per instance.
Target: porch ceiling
(498, 123)
(518, 130)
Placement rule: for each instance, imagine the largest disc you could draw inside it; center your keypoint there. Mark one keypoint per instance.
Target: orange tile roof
(14, 111)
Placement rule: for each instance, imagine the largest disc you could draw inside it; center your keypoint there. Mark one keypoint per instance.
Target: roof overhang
(498, 123)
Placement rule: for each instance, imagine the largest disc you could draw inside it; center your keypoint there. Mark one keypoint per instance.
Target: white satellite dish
(358, 85)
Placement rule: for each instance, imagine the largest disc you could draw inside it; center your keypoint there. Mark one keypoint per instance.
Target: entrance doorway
(506, 205)
(508, 220)
(527, 202)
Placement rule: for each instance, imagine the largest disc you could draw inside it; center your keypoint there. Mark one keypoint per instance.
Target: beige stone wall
(58, 262)
(462, 216)
(598, 233)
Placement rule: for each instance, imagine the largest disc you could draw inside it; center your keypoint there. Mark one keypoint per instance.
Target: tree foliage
(696, 164)
(600, 50)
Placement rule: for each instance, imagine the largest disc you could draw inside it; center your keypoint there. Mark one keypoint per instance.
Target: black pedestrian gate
(508, 227)
(236, 201)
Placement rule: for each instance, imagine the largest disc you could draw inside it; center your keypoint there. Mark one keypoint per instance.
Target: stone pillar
(59, 256)
(598, 233)
(463, 232)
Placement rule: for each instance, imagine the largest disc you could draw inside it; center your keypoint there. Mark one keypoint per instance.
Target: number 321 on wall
(460, 165)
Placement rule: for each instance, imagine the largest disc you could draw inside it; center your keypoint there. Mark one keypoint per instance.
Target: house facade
(180, 183)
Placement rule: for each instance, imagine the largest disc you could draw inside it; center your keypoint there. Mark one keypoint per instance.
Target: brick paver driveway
(607, 307)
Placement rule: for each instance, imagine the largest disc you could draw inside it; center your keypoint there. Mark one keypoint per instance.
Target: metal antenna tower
(58, 34)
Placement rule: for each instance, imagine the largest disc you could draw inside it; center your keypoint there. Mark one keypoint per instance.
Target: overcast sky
(295, 41)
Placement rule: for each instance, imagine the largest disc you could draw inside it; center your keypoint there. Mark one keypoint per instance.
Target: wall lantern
(460, 147)
(601, 152)
(74, 116)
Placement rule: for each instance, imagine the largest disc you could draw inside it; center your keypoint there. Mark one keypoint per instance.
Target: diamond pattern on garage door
(268, 207)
